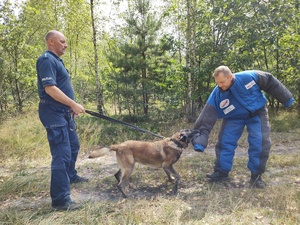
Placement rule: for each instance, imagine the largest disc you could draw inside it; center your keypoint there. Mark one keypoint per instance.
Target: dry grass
(25, 174)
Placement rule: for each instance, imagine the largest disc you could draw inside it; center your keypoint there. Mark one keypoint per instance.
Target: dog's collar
(177, 143)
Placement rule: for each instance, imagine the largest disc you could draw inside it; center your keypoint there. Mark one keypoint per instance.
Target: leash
(121, 122)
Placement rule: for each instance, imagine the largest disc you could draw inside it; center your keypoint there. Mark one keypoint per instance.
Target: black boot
(256, 181)
(217, 176)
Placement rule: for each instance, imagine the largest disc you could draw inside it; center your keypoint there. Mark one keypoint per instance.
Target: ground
(149, 182)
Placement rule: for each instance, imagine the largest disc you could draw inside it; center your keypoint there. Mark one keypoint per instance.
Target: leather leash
(121, 122)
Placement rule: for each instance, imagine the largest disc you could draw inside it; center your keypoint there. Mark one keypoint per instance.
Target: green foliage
(155, 53)
(22, 41)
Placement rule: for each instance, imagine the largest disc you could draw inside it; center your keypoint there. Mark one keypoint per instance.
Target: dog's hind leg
(124, 179)
(172, 171)
(126, 164)
(117, 175)
(120, 189)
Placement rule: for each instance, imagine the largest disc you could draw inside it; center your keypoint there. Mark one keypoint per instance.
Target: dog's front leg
(176, 186)
(170, 179)
(170, 170)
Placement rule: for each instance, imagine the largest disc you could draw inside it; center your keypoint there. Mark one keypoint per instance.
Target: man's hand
(77, 109)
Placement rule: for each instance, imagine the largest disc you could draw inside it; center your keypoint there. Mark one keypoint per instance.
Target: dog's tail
(99, 153)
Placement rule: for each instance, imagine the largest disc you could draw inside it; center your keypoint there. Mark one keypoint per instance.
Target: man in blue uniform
(57, 109)
(239, 101)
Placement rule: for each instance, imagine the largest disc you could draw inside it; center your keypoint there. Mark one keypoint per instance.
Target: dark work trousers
(258, 129)
(64, 147)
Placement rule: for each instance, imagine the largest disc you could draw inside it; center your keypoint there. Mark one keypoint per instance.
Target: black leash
(121, 122)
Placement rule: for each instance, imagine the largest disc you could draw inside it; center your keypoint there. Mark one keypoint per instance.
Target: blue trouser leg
(255, 143)
(230, 132)
(74, 143)
(259, 142)
(61, 157)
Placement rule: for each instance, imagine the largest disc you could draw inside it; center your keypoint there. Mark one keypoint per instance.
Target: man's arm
(59, 96)
(268, 83)
(203, 127)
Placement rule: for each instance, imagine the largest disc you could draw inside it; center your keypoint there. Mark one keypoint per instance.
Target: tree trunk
(144, 86)
(98, 83)
(188, 62)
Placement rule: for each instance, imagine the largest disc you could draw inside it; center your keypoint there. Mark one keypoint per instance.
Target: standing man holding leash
(239, 101)
(57, 109)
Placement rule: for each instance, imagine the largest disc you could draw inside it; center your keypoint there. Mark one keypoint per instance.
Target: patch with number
(250, 85)
(224, 103)
(228, 109)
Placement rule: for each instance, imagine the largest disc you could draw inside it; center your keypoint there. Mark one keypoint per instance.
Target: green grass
(285, 121)
(25, 174)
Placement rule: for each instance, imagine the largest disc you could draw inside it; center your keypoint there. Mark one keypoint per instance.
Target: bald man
(57, 109)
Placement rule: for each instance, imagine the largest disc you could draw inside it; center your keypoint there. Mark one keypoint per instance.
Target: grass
(25, 175)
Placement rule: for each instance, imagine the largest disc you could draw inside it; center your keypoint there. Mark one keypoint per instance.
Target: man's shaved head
(56, 42)
(52, 34)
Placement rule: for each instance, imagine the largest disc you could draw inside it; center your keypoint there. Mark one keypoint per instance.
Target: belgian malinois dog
(158, 154)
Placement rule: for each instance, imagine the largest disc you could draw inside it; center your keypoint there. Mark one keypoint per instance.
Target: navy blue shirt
(51, 71)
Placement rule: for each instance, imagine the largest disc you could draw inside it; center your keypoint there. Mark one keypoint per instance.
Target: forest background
(141, 57)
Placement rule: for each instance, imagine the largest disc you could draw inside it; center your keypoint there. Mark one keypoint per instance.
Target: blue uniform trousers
(64, 147)
(258, 129)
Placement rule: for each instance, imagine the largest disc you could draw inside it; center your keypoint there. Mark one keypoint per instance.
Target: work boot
(79, 179)
(217, 176)
(256, 181)
(69, 205)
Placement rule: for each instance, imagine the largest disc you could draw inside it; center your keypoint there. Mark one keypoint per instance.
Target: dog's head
(182, 137)
(185, 135)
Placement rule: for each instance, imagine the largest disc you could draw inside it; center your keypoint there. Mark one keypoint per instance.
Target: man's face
(59, 44)
(224, 82)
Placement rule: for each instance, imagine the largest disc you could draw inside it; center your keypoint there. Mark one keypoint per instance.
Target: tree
(17, 39)
(98, 84)
(136, 48)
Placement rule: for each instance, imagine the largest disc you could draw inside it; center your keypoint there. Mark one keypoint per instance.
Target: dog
(158, 154)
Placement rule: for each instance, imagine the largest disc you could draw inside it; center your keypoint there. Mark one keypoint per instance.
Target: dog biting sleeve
(203, 127)
(268, 83)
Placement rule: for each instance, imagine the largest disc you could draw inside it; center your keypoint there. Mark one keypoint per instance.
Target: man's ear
(51, 41)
